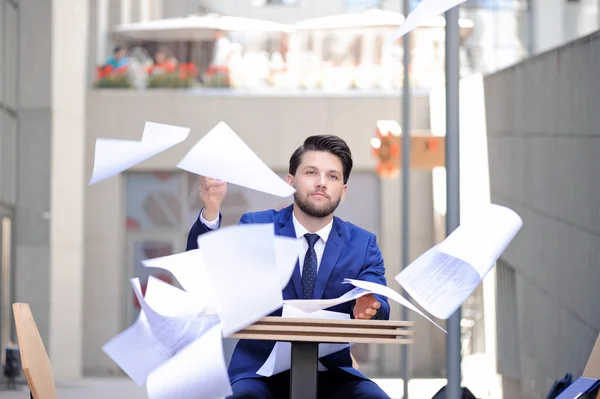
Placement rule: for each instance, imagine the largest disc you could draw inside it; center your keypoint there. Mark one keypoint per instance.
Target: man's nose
(322, 181)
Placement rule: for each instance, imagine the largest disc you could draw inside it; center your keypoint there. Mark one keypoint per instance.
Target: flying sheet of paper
(280, 358)
(136, 351)
(425, 11)
(315, 305)
(168, 300)
(444, 277)
(174, 333)
(286, 256)
(113, 156)
(391, 294)
(241, 264)
(197, 372)
(222, 155)
(189, 270)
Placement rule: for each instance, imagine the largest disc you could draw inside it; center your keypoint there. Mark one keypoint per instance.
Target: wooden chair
(34, 358)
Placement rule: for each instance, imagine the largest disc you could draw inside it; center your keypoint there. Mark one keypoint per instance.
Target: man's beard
(315, 211)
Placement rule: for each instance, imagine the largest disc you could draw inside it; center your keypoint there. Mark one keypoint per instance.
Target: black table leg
(304, 371)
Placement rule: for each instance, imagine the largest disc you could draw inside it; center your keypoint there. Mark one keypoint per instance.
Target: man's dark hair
(327, 143)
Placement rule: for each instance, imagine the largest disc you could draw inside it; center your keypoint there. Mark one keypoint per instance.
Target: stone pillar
(102, 13)
(51, 181)
(125, 11)
(145, 10)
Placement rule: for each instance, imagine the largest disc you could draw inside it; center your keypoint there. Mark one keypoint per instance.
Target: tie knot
(311, 239)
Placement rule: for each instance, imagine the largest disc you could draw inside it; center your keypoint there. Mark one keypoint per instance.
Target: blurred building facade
(69, 250)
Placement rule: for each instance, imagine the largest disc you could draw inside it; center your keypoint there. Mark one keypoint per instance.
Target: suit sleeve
(374, 272)
(200, 228)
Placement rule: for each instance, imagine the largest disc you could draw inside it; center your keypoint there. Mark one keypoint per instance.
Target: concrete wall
(542, 118)
(50, 172)
(273, 126)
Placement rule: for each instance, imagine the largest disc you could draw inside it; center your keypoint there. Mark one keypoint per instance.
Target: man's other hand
(212, 193)
(366, 307)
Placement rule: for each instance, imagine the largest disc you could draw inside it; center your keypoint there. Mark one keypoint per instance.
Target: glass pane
(153, 201)
(143, 249)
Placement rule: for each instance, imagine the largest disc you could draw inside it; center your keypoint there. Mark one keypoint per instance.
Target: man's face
(319, 183)
(121, 53)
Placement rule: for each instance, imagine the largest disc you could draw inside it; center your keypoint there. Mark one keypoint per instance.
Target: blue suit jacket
(350, 252)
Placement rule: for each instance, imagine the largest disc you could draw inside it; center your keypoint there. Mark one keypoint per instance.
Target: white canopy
(370, 18)
(193, 27)
(203, 27)
(373, 17)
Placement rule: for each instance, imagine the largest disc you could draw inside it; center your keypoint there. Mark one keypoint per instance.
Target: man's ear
(289, 179)
(344, 192)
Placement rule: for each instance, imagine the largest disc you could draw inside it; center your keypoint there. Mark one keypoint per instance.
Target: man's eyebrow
(329, 171)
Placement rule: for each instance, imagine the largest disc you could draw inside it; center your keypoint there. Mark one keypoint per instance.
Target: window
(263, 3)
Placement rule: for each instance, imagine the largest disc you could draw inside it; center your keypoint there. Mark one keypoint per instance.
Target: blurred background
(277, 71)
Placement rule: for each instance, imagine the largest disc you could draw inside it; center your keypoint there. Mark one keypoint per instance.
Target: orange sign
(426, 152)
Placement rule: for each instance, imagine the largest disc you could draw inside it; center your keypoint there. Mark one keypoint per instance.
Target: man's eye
(333, 177)
(310, 172)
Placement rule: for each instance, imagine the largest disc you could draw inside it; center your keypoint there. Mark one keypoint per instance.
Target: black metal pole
(406, 110)
(453, 342)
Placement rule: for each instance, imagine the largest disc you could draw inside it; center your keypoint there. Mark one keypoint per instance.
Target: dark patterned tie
(309, 270)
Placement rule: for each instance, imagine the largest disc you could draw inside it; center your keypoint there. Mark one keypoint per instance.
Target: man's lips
(317, 194)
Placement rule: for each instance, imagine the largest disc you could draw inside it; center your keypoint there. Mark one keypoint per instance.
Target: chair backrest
(34, 358)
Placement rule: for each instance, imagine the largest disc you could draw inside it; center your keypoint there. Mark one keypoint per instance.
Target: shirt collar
(301, 230)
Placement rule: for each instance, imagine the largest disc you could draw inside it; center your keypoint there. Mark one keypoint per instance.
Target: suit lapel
(333, 249)
(285, 227)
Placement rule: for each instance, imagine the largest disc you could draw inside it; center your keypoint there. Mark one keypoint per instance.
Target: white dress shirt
(214, 224)
(300, 231)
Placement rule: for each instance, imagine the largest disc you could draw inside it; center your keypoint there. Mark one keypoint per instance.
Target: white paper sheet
(136, 351)
(425, 11)
(197, 372)
(280, 358)
(189, 270)
(444, 277)
(113, 156)
(222, 155)
(286, 256)
(242, 268)
(390, 294)
(168, 300)
(174, 333)
(315, 305)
